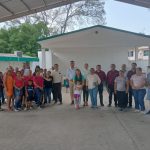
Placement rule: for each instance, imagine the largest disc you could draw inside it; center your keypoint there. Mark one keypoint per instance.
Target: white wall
(91, 56)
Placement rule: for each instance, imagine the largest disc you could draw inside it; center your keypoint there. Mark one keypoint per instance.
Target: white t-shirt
(138, 80)
(92, 81)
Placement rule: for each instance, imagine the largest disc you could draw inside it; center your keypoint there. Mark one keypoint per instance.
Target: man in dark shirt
(102, 77)
(129, 75)
(111, 75)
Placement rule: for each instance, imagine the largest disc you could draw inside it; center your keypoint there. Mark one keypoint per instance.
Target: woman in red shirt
(38, 87)
(18, 87)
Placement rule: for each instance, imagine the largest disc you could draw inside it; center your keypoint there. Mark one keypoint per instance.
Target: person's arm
(98, 79)
(132, 84)
(127, 86)
(115, 86)
(4, 82)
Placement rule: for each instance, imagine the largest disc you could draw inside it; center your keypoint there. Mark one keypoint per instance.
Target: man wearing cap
(70, 76)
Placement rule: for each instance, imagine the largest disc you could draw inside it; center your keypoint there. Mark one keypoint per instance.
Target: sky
(127, 17)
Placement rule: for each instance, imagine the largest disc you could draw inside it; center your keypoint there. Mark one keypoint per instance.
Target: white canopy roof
(11, 9)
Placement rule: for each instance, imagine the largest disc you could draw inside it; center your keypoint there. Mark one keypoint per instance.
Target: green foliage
(23, 38)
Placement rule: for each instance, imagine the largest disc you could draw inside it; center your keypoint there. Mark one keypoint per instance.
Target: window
(146, 52)
(130, 54)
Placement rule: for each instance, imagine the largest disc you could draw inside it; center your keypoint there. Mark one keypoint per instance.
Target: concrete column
(136, 54)
(149, 57)
(43, 59)
(51, 57)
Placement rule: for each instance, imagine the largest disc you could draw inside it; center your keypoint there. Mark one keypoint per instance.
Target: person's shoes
(86, 103)
(109, 105)
(136, 111)
(31, 108)
(59, 103)
(116, 105)
(16, 110)
(72, 103)
(39, 107)
(129, 107)
(147, 113)
(1, 109)
(120, 109)
(25, 109)
(102, 105)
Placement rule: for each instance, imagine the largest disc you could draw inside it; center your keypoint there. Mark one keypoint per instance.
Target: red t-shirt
(38, 80)
(19, 83)
(26, 79)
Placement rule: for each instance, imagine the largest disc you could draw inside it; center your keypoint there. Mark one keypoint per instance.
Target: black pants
(85, 94)
(130, 96)
(57, 92)
(100, 91)
(122, 99)
(111, 92)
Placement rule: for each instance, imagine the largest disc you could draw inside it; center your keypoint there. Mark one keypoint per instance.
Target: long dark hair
(78, 79)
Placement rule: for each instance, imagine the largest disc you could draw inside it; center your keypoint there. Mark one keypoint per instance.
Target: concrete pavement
(61, 127)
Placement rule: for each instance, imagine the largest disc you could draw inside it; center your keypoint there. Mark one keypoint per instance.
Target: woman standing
(8, 85)
(48, 85)
(38, 87)
(138, 82)
(92, 83)
(121, 88)
(18, 87)
(78, 85)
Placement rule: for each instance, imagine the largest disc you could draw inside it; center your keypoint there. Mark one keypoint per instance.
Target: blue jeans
(47, 95)
(38, 96)
(139, 99)
(93, 95)
(18, 97)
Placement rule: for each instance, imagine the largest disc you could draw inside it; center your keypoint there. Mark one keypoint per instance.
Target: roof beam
(44, 2)
(2, 5)
(25, 4)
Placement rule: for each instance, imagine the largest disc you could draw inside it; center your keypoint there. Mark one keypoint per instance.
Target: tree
(23, 38)
(66, 18)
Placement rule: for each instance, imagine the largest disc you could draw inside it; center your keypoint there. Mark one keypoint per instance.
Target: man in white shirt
(70, 76)
(57, 81)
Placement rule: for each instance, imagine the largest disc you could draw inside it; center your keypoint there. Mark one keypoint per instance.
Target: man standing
(70, 76)
(129, 75)
(101, 74)
(57, 81)
(111, 75)
(86, 72)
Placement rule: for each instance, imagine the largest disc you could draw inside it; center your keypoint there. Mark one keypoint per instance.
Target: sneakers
(136, 111)
(16, 110)
(147, 113)
(72, 103)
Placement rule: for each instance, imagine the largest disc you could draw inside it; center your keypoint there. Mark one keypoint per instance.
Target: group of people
(22, 87)
(121, 85)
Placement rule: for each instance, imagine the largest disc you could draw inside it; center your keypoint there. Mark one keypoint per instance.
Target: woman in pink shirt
(18, 87)
(137, 83)
(38, 85)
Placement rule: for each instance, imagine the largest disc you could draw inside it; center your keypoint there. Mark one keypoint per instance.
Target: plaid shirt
(111, 75)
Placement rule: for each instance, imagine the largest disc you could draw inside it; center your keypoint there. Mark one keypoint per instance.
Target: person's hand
(115, 92)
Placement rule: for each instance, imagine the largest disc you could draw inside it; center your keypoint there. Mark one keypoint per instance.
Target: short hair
(134, 63)
(139, 68)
